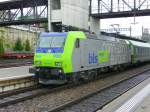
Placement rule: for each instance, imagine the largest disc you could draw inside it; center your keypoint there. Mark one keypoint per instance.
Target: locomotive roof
(140, 44)
(121, 36)
(46, 34)
(105, 37)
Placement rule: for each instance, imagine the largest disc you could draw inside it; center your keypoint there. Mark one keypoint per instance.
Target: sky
(127, 23)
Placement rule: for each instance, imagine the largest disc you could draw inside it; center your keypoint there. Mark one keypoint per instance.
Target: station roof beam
(18, 12)
(103, 9)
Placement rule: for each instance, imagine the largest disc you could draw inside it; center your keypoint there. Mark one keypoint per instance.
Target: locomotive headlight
(60, 71)
(38, 63)
(38, 69)
(58, 64)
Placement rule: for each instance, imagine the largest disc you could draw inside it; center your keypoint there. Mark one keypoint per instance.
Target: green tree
(45, 25)
(1, 47)
(27, 45)
(18, 45)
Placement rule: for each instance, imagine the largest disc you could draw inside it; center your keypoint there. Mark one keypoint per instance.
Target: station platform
(144, 106)
(135, 100)
(14, 72)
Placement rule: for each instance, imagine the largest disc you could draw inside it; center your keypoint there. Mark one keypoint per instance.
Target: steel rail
(19, 96)
(75, 104)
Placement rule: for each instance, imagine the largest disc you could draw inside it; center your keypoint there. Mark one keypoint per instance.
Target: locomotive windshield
(51, 42)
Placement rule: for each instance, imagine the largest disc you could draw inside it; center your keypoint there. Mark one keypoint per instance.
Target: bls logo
(93, 59)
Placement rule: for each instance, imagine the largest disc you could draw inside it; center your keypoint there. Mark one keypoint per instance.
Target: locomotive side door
(76, 56)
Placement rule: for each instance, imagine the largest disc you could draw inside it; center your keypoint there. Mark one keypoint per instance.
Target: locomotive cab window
(77, 44)
(51, 42)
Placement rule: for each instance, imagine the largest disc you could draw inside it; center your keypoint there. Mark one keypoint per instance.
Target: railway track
(6, 63)
(22, 95)
(98, 99)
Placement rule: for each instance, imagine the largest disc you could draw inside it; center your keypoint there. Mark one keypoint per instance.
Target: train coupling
(32, 70)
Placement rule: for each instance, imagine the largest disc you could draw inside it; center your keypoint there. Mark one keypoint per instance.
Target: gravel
(50, 101)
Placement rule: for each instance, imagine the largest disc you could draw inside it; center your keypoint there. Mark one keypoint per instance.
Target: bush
(1, 47)
(27, 45)
(18, 45)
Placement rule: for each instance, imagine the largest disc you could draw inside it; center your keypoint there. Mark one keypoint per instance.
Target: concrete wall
(56, 16)
(75, 13)
(95, 25)
(72, 12)
(49, 16)
(10, 35)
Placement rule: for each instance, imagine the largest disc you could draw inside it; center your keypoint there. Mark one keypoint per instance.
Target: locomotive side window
(77, 44)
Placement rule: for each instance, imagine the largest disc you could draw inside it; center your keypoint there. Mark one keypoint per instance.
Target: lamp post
(134, 23)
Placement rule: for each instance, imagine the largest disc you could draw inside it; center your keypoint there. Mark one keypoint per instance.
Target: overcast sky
(127, 23)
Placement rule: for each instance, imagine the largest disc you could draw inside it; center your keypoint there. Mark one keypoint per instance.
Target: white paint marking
(132, 103)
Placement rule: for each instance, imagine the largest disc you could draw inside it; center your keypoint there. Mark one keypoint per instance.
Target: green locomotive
(71, 56)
